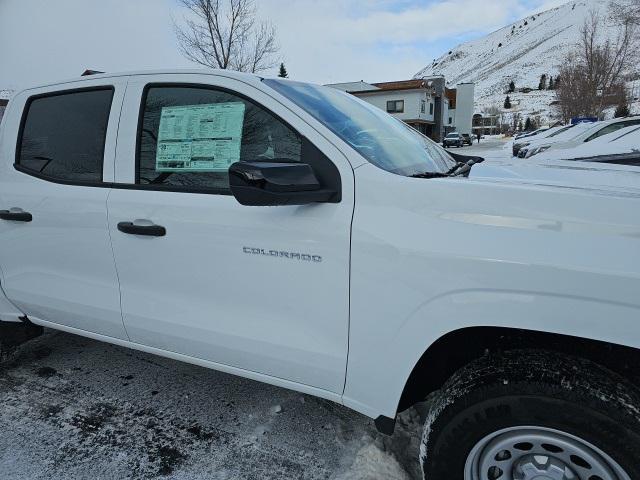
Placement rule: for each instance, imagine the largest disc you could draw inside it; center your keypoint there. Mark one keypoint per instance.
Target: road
(78, 408)
(490, 148)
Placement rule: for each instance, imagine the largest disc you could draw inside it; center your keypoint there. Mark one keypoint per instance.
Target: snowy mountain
(520, 52)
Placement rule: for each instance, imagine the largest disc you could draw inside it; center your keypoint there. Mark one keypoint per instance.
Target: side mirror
(273, 183)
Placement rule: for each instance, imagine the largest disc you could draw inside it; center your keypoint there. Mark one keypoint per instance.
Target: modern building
(425, 103)
(486, 124)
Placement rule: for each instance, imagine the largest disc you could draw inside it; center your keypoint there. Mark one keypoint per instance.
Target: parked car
(133, 210)
(578, 135)
(522, 139)
(453, 139)
(621, 146)
(520, 149)
(466, 139)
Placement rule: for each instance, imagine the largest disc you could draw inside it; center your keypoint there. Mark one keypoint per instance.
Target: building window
(395, 106)
(422, 106)
(431, 109)
(450, 120)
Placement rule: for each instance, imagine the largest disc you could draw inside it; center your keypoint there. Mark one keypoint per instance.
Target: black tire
(535, 389)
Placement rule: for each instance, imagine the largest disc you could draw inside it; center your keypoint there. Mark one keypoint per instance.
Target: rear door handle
(148, 230)
(16, 215)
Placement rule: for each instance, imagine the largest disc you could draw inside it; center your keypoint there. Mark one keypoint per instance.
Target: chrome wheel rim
(538, 453)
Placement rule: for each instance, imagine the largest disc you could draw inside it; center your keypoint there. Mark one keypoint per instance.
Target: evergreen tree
(551, 84)
(283, 71)
(512, 87)
(527, 124)
(556, 83)
(543, 82)
(507, 102)
(622, 110)
(520, 126)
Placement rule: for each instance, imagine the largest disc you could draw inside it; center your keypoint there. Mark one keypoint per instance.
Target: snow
(529, 48)
(5, 94)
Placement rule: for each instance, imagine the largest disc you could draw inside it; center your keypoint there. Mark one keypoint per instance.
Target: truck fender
(537, 311)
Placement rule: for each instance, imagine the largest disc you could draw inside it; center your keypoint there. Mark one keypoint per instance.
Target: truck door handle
(148, 230)
(16, 215)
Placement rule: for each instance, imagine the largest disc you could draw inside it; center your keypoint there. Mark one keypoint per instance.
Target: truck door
(260, 289)
(55, 254)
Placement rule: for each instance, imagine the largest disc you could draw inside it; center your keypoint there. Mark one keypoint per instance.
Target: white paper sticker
(199, 138)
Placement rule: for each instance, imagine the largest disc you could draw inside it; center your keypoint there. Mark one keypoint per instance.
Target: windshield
(563, 129)
(452, 135)
(380, 138)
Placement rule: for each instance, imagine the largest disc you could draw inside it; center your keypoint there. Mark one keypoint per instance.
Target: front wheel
(533, 415)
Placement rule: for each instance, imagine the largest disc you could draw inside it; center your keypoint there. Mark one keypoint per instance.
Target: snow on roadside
(372, 463)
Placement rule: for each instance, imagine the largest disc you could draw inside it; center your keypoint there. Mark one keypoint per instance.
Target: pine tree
(551, 84)
(520, 126)
(512, 87)
(543, 82)
(507, 102)
(283, 71)
(622, 110)
(527, 124)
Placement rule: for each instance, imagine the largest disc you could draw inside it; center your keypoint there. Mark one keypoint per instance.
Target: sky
(321, 41)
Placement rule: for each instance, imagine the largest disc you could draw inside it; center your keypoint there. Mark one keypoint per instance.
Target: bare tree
(226, 34)
(594, 74)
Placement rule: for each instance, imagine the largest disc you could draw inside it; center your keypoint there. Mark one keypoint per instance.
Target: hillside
(520, 52)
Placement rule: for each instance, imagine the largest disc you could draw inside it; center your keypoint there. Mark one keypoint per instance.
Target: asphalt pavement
(74, 408)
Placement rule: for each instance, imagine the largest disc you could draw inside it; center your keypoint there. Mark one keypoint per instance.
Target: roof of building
(413, 84)
(402, 84)
(352, 86)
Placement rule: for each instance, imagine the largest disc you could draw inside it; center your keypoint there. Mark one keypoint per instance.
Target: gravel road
(78, 408)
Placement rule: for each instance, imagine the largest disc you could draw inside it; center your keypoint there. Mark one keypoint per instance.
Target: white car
(565, 133)
(591, 132)
(296, 235)
(523, 139)
(622, 146)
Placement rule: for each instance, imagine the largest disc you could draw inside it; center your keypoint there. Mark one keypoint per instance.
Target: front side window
(612, 128)
(190, 135)
(395, 106)
(63, 135)
(380, 138)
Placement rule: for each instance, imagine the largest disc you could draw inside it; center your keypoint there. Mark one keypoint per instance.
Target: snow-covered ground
(491, 148)
(78, 408)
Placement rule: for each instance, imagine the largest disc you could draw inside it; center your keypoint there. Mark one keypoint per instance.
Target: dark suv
(466, 138)
(453, 140)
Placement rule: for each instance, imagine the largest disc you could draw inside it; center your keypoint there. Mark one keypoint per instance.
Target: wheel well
(454, 350)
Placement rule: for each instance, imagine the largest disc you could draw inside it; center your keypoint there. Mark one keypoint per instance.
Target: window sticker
(199, 138)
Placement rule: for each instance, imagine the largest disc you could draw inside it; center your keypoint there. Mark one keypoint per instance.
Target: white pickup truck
(292, 234)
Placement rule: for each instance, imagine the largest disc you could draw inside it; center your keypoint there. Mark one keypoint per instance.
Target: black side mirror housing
(277, 183)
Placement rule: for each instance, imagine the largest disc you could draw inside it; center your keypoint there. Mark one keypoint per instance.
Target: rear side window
(190, 135)
(63, 135)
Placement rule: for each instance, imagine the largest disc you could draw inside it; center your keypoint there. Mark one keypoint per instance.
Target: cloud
(322, 40)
